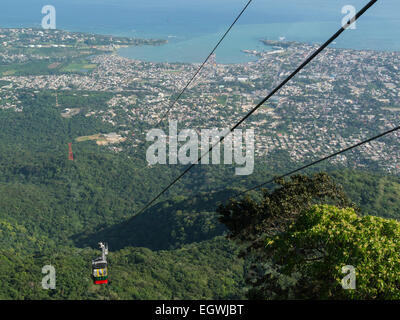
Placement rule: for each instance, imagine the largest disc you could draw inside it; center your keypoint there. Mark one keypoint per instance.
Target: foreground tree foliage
(297, 238)
(325, 239)
(248, 219)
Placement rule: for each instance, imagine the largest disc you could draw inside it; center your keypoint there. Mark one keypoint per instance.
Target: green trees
(297, 238)
(166, 226)
(248, 219)
(324, 239)
(49, 203)
(207, 270)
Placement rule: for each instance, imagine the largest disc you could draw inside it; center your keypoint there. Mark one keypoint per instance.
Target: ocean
(193, 27)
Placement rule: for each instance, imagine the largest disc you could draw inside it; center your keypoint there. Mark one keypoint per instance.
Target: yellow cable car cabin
(99, 266)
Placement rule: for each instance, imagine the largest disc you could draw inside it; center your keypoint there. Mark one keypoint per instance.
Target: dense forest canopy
(297, 239)
(193, 243)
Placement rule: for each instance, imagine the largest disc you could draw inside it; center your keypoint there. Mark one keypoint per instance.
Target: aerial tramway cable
(205, 61)
(273, 92)
(203, 64)
(318, 161)
(200, 68)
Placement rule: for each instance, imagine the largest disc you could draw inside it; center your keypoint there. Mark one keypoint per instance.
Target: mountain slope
(167, 225)
(209, 270)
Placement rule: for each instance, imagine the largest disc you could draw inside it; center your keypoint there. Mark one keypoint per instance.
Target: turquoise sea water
(193, 27)
(247, 37)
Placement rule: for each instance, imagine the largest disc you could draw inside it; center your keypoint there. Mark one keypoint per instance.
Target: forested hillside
(54, 211)
(209, 270)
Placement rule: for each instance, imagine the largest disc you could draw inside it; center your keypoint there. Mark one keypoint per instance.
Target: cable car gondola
(99, 266)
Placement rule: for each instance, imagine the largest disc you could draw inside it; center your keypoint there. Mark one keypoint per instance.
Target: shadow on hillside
(165, 226)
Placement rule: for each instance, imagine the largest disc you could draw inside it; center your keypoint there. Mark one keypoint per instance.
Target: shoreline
(277, 46)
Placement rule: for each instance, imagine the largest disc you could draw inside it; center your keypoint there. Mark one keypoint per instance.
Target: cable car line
(99, 265)
(318, 161)
(283, 83)
(199, 69)
(203, 64)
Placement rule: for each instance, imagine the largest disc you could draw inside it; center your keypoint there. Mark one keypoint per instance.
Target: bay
(193, 27)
